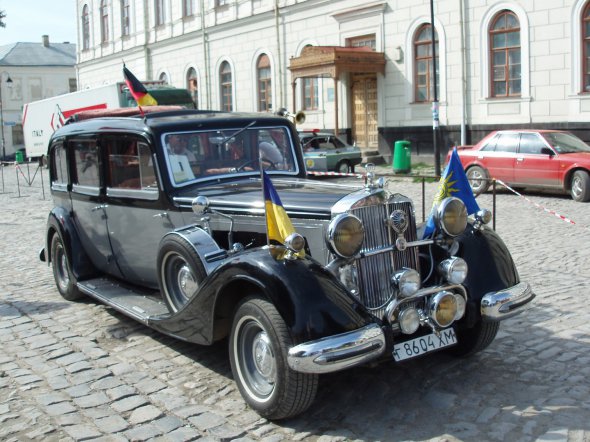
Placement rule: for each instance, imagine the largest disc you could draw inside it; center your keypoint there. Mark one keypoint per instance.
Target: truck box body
(42, 118)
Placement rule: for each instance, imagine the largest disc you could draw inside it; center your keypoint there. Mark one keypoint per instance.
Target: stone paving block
(51, 398)
(145, 414)
(168, 423)
(60, 408)
(83, 432)
(92, 400)
(143, 432)
(183, 434)
(129, 403)
(111, 424)
(206, 421)
(120, 392)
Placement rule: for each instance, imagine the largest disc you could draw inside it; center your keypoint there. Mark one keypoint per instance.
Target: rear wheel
(580, 189)
(478, 179)
(343, 167)
(181, 271)
(258, 347)
(62, 270)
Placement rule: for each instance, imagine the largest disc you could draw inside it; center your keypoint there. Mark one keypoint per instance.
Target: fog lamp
(409, 320)
(295, 242)
(345, 235)
(453, 270)
(407, 281)
(451, 216)
(461, 305)
(443, 308)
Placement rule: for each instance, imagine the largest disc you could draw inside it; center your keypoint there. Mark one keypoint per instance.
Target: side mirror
(547, 151)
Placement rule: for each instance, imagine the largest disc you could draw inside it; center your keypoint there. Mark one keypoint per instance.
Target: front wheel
(258, 347)
(580, 190)
(478, 180)
(62, 270)
(343, 167)
(474, 339)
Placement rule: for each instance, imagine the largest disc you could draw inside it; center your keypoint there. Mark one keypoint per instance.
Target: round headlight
(461, 306)
(453, 270)
(346, 234)
(451, 216)
(443, 308)
(295, 242)
(408, 282)
(409, 320)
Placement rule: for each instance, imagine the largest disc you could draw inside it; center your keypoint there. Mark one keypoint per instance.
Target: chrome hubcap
(186, 281)
(263, 356)
(577, 187)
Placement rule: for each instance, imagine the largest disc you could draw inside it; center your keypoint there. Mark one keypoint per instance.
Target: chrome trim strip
(506, 303)
(338, 352)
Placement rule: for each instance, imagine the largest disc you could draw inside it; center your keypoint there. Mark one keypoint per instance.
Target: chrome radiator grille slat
(375, 272)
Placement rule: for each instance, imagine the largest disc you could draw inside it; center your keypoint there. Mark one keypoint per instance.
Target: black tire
(474, 339)
(580, 188)
(478, 179)
(62, 270)
(264, 379)
(180, 271)
(343, 167)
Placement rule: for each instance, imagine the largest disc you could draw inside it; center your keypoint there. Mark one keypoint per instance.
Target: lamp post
(9, 81)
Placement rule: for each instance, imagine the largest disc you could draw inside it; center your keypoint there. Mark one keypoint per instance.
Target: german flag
(138, 90)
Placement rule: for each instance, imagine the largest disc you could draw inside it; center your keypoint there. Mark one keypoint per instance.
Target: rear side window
(59, 166)
(86, 168)
(507, 143)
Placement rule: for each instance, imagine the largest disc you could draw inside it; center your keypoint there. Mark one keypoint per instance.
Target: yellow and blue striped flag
(278, 223)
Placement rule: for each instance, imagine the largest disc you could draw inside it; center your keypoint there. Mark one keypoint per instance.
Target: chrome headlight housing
(407, 281)
(443, 308)
(345, 236)
(451, 216)
(454, 270)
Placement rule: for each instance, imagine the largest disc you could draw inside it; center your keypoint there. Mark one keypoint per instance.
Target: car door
(137, 216)
(536, 163)
(88, 203)
(499, 155)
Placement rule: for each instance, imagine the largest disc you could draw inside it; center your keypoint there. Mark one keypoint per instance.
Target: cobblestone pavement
(79, 371)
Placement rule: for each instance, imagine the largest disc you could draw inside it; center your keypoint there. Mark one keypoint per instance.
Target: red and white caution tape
(356, 175)
(552, 212)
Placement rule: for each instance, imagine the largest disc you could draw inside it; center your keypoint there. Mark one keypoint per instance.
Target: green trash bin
(402, 157)
(19, 157)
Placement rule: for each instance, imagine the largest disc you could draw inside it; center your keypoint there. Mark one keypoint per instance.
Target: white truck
(41, 118)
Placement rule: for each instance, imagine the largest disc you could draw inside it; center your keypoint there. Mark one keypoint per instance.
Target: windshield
(566, 142)
(198, 155)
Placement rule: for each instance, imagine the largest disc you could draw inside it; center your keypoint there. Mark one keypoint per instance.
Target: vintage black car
(162, 217)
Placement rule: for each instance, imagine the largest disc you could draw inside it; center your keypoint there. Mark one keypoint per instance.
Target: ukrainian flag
(278, 224)
(453, 182)
(138, 90)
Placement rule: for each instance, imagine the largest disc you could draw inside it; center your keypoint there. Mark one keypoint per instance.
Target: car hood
(301, 198)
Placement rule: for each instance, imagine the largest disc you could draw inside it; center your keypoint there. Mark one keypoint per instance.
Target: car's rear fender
(311, 301)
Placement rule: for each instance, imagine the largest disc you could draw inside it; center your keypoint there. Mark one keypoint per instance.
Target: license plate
(424, 344)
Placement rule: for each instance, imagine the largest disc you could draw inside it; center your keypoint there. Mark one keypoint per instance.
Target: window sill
(506, 100)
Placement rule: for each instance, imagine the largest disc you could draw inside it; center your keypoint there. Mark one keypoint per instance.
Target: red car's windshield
(566, 143)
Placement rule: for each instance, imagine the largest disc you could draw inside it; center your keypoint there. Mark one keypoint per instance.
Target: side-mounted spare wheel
(62, 270)
(180, 271)
(258, 347)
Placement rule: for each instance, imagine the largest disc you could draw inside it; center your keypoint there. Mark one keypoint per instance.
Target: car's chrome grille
(374, 272)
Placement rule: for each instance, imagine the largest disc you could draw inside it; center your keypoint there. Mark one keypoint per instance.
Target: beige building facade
(500, 63)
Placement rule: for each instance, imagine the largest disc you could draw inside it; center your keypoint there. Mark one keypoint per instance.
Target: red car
(549, 159)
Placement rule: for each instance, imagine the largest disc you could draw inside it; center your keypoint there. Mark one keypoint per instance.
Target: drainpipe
(146, 49)
(280, 59)
(205, 56)
(463, 76)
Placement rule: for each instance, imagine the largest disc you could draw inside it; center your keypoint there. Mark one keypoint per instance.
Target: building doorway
(364, 111)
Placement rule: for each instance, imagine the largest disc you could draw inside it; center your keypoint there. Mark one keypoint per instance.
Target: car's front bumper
(505, 303)
(338, 352)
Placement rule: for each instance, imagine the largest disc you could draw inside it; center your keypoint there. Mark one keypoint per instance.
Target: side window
(531, 143)
(59, 167)
(490, 146)
(507, 143)
(86, 177)
(130, 168)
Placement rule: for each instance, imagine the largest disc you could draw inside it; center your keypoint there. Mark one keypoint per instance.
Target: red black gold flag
(138, 90)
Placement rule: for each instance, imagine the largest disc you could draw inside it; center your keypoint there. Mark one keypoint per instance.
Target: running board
(140, 305)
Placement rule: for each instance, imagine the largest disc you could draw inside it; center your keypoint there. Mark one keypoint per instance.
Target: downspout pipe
(463, 75)
(205, 57)
(280, 58)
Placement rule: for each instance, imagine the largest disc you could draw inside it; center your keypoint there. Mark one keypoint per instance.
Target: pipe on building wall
(280, 60)
(463, 75)
(205, 57)
(146, 36)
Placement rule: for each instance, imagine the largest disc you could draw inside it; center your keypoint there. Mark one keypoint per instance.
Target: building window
(505, 62)
(586, 48)
(17, 134)
(225, 81)
(363, 41)
(159, 8)
(125, 18)
(310, 93)
(85, 28)
(221, 3)
(104, 22)
(264, 83)
(72, 84)
(164, 77)
(423, 74)
(192, 85)
(188, 8)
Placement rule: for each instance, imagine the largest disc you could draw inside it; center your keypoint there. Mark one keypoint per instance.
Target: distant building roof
(38, 54)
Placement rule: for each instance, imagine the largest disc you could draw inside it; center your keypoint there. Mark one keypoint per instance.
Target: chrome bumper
(337, 352)
(506, 303)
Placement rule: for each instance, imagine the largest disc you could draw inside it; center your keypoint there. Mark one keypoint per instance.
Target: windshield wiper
(235, 134)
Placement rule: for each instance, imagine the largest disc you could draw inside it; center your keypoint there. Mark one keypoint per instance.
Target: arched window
(85, 28)
(125, 18)
(164, 77)
(423, 75)
(225, 82)
(505, 72)
(192, 85)
(586, 48)
(104, 22)
(264, 83)
(188, 8)
(159, 11)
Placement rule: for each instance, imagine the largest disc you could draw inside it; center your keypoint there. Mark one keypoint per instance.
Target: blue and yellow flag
(278, 223)
(453, 182)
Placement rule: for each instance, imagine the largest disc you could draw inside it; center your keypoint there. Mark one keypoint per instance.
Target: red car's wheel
(580, 189)
(478, 179)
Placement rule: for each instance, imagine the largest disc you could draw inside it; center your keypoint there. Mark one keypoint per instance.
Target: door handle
(162, 215)
(99, 207)
(520, 159)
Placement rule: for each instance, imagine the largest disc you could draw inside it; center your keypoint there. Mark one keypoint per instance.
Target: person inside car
(177, 145)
